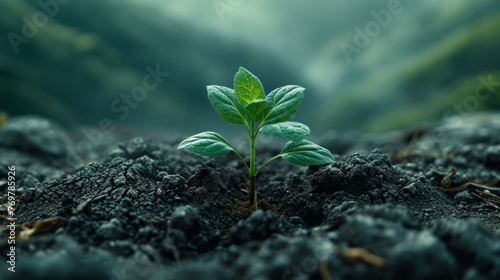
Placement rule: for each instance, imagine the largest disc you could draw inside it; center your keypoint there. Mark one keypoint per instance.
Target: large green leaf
(282, 103)
(247, 87)
(306, 153)
(226, 103)
(255, 107)
(207, 144)
(287, 130)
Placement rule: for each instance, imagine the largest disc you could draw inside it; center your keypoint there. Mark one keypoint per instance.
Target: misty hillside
(90, 53)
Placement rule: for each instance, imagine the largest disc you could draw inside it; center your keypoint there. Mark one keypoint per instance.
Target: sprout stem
(275, 157)
(251, 172)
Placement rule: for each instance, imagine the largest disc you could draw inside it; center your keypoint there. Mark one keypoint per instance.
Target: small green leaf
(247, 87)
(207, 144)
(255, 107)
(287, 130)
(306, 153)
(282, 103)
(226, 103)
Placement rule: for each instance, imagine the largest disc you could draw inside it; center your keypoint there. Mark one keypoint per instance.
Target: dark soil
(415, 204)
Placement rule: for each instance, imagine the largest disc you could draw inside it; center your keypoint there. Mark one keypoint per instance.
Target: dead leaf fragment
(360, 255)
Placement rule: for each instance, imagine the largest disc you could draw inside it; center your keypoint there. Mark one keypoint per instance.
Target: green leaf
(226, 103)
(255, 107)
(282, 103)
(306, 153)
(207, 144)
(287, 130)
(247, 87)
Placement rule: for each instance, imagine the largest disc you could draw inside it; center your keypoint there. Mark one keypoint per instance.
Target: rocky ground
(420, 203)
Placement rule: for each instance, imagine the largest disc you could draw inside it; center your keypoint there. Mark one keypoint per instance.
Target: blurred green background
(367, 65)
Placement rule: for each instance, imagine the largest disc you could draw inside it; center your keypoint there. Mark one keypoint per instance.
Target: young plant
(248, 105)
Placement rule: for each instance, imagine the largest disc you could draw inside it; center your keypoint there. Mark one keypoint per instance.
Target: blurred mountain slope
(425, 85)
(90, 54)
(93, 52)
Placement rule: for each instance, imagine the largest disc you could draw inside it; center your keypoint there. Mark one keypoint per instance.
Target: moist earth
(408, 204)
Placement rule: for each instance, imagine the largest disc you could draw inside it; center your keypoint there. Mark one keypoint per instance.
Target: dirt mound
(422, 204)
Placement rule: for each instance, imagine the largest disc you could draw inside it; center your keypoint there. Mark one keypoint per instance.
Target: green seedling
(248, 105)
